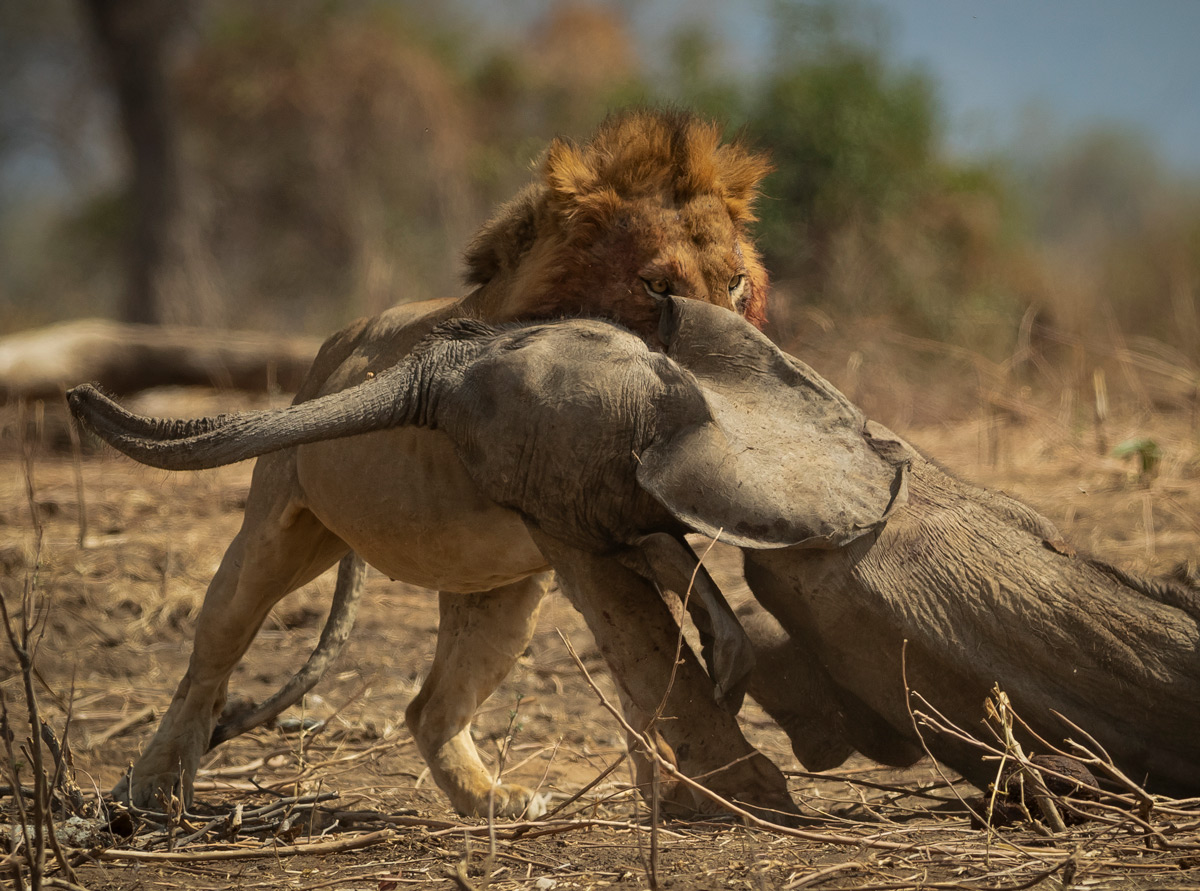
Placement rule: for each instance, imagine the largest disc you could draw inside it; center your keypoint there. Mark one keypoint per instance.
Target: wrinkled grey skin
(984, 593)
(610, 452)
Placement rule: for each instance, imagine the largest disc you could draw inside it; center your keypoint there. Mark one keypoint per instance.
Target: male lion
(654, 204)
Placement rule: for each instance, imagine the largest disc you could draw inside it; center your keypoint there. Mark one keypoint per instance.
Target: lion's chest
(404, 502)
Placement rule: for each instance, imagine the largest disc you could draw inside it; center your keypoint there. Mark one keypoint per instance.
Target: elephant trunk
(403, 394)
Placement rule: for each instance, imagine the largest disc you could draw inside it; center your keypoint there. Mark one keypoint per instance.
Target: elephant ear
(785, 460)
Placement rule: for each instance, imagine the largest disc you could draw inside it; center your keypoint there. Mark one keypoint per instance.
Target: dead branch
(122, 359)
(141, 716)
(350, 843)
(752, 819)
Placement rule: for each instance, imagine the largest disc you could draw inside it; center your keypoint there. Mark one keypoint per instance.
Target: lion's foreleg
(480, 637)
(638, 635)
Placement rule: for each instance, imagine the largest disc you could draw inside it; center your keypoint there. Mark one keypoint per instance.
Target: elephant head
(600, 442)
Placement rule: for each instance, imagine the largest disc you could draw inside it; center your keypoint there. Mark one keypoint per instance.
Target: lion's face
(653, 205)
(646, 249)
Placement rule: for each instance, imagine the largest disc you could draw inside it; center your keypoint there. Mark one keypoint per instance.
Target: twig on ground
(896, 791)
(141, 716)
(535, 828)
(23, 635)
(266, 821)
(747, 816)
(596, 781)
(822, 874)
(350, 843)
(1000, 711)
(908, 694)
(459, 876)
(77, 466)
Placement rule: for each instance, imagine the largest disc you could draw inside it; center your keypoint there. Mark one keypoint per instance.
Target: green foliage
(699, 79)
(1146, 451)
(344, 154)
(327, 140)
(1121, 236)
(863, 215)
(850, 140)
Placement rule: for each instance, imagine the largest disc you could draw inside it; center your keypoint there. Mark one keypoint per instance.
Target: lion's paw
(512, 801)
(537, 806)
(152, 792)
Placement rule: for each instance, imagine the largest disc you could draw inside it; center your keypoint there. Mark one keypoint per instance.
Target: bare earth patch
(337, 796)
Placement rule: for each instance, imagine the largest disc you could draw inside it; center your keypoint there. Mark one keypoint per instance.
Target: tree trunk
(134, 38)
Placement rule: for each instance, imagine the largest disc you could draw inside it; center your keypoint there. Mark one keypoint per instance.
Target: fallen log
(123, 359)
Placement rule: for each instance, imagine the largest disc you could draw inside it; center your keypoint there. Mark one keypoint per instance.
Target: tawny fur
(688, 199)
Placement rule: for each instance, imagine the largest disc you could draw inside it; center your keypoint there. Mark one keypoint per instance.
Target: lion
(655, 203)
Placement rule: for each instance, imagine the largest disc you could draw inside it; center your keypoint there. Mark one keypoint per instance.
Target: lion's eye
(737, 285)
(657, 286)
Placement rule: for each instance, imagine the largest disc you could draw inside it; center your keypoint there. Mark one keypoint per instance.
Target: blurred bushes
(1121, 237)
(327, 152)
(343, 155)
(863, 217)
(339, 154)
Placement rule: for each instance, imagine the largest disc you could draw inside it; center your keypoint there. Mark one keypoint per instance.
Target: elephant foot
(751, 782)
(676, 799)
(760, 797)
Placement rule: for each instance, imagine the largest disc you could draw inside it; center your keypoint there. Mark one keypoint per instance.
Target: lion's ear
(568, 173)
(503, 240)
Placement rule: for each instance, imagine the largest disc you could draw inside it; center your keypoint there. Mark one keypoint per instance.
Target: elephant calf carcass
(965, 589)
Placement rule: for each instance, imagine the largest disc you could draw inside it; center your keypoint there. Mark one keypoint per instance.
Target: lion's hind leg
(278, 549)
(479, 639)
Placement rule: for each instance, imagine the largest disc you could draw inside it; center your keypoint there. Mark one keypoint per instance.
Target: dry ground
(118, 612)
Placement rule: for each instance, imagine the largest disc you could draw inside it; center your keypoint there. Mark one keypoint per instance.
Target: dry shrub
(331, 157)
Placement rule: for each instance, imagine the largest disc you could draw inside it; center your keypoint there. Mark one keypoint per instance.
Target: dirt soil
(125, 555)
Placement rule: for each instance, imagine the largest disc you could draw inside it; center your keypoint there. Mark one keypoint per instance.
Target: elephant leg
(637, 634)
(479, 639)
(279, 548)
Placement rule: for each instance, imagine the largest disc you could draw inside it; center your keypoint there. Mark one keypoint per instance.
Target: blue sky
(1074, 63)
(1135, 62)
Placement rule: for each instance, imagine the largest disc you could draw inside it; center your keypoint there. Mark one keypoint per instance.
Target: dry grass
(338, 796)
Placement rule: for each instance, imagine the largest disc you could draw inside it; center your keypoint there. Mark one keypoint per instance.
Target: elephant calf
(962, 590)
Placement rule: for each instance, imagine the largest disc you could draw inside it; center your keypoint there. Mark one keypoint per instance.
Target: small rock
(74, 832)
